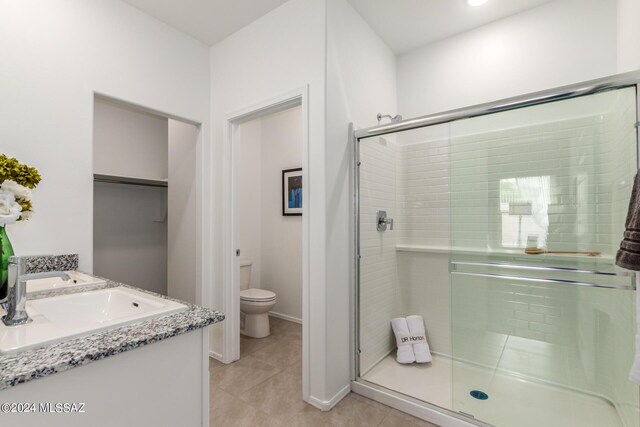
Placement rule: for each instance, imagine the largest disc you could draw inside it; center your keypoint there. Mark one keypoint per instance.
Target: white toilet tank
(245, 274)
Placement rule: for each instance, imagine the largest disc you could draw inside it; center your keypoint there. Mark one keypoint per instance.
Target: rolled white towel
(405, 349)
(419, 339)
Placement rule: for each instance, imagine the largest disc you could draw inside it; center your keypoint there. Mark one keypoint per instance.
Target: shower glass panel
(527, 329)
(405, 174)
(518, 339)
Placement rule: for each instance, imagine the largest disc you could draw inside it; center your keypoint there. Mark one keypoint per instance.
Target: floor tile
(249, 345)
(242, 375)
(264, 389)
(354, 411)
(399, 419)
(213, 363)
(281, 354)
(280, 396)
(284, 329)
(227, 410)
(368, 401)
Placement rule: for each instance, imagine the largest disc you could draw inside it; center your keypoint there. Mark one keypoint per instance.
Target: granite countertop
(37, 363)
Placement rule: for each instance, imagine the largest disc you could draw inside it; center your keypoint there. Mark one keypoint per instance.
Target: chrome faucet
(17, 294)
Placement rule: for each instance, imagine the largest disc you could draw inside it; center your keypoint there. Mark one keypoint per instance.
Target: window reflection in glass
(524, 204)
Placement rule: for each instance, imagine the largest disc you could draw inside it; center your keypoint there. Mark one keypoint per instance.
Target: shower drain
(478, 394)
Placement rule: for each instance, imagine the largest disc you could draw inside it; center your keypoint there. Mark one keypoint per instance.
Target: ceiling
(209, 21)
(402, 24)
(407, 24)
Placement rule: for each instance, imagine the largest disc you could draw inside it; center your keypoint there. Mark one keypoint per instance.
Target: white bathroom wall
(53, 56)
(281, 265)
(129, 142)
(182, 218)
(278, 53)
(361, 82)
(250, 149)
(558, 43)
(628, 35)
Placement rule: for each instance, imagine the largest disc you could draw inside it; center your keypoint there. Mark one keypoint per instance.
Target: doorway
(270, 195)
(231, 221)
(145, 199)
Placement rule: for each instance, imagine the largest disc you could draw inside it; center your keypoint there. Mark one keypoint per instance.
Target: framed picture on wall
(292, 192)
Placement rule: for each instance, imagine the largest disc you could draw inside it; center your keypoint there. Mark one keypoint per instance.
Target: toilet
(255, 305)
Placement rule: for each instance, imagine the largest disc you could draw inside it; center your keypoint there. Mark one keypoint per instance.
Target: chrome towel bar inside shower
(541, 268)
(540, 280)
(631, 275)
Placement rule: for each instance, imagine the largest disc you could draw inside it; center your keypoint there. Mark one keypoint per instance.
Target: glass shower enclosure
(502, 225)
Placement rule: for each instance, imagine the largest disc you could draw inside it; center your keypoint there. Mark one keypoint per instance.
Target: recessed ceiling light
(476, 2)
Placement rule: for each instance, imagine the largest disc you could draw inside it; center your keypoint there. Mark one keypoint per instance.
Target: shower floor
(513, 402)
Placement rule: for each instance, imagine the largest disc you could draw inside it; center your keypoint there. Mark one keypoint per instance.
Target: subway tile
(532, 317)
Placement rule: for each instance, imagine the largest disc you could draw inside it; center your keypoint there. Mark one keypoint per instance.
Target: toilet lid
(257, 295)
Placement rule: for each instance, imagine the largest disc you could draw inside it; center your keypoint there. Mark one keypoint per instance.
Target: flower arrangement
(16, 182)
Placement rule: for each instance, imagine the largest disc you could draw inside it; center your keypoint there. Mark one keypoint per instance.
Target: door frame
(230, 222)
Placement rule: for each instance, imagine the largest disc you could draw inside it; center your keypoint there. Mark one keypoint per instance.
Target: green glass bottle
(6, 251)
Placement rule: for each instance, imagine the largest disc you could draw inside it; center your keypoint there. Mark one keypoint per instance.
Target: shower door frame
(420, 409)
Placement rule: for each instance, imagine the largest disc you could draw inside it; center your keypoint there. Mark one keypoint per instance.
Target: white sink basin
(63, 317)
(75, 279)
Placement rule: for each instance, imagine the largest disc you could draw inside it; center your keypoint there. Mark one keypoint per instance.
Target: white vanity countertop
(62, 356)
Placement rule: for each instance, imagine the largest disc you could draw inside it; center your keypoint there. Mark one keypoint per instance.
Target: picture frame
(292, 192)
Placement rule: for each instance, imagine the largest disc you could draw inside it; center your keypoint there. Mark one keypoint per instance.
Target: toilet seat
(257, 295)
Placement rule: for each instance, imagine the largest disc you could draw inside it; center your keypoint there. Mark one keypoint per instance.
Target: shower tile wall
(423, 221)
(423, 194)
(570, 153)
(379, 288)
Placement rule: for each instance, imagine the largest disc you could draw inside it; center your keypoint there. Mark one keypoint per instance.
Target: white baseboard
(215, 355)
(285, 317)
(326, 405)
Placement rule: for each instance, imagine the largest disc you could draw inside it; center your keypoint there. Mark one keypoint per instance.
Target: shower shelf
(128, 180)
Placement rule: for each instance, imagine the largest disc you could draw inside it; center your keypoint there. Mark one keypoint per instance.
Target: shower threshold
(512, 402)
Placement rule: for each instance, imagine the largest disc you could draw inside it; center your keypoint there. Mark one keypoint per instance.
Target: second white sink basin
(63, 317)
(75, 279)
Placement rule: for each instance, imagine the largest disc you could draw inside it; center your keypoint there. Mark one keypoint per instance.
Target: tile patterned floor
(264, 388)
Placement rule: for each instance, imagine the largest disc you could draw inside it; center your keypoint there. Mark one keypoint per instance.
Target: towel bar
(541, 280)
(542, 268)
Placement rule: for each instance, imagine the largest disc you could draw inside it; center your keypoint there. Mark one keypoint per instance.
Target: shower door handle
(382, 221)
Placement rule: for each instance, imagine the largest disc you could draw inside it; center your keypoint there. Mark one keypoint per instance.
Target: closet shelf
(127, 180)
